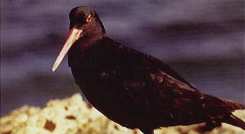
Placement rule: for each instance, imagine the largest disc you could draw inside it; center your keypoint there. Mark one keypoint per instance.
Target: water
(202, 40)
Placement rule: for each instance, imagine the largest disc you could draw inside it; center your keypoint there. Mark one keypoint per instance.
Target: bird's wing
(151, 85)
(183, 103)
(163, 98)
(167, 70)
(143, 68)
(145, 60)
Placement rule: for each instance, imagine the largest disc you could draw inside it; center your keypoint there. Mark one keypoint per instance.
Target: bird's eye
(89, 18)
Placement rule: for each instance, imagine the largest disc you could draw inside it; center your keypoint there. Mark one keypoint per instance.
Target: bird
(132, 88)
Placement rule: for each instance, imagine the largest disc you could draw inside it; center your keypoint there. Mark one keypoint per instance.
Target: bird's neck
(88, 40)
(94, 32)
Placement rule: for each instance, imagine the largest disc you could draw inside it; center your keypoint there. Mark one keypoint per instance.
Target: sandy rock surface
(74, 116)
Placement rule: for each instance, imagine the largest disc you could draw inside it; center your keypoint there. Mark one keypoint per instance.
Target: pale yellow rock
(74, 116)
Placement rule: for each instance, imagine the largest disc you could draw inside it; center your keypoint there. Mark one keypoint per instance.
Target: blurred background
(202, 40)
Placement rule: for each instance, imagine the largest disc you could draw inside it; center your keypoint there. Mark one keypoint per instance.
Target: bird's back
(134, 88)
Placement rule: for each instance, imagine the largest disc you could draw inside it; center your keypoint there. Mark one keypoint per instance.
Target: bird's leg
(148, 131)
(212, 124)
(209, 125)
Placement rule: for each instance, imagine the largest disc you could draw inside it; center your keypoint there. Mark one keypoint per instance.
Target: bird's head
(84, 24)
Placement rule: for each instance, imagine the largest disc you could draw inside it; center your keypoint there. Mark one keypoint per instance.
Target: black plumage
(134, 89)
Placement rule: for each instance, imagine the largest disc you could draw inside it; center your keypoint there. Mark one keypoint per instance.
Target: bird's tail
(232, 119)
(227, 106)
(235, 121)
(224, 104)
(233, 105)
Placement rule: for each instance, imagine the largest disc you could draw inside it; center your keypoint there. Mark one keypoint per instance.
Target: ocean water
(202, 40)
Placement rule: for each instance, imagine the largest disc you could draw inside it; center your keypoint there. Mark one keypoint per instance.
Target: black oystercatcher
(134, 89)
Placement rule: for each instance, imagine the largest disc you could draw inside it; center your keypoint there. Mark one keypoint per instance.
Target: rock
(74, 116)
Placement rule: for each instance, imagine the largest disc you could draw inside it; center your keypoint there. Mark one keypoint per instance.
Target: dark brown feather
(138, 90)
